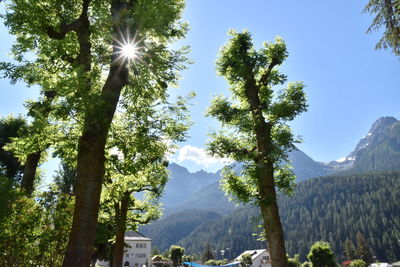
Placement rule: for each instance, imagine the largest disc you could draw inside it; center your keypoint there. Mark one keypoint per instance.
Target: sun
(128, 49)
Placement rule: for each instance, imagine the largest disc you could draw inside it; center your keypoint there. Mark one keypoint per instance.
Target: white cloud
(199, 156)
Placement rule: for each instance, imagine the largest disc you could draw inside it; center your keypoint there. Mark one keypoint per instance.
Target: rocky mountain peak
(378, 132)
(381, 124)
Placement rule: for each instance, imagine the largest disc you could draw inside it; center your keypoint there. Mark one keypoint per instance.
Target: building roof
(254, 254)
(135, 236)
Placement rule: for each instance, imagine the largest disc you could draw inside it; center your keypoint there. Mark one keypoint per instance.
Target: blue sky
(349, 83)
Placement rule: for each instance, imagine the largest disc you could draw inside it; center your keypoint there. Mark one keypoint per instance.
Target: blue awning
(193, 264)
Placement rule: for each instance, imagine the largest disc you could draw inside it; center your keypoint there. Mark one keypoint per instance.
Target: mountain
(305, 167)
(379, 150)
(331, 208)
(201, 190)
(183, 184)
(210, 196)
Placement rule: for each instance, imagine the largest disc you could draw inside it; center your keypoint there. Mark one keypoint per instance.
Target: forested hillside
(330, 208)
(336, 208)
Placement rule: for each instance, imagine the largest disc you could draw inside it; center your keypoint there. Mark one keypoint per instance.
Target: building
(137, 252)
(259, 258)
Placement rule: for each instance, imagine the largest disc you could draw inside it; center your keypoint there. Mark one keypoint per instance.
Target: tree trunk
(28, 178)
(91, 154)
(272, 224)
(32, 160)
(265, 177)
(121, 212)
(90, 170)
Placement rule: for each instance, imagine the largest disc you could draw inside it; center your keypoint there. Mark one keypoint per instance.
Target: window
(127, 255)
(141, 245)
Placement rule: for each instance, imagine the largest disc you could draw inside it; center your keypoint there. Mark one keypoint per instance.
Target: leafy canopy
(249, 69)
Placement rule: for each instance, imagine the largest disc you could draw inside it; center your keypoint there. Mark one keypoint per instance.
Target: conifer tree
(363, 250)
(349, 250)
(387, 15)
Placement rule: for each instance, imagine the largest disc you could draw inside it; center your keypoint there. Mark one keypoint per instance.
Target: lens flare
(128, 49)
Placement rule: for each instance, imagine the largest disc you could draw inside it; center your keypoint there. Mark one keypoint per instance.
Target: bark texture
(32, 159)
(121, 211)
(28, 178)
(91, 158)
(265, 177)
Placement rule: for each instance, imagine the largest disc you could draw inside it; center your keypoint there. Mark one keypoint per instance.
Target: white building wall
(138, 254)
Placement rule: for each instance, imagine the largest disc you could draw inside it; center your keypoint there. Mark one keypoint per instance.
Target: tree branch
(64, 29)
(264, 78)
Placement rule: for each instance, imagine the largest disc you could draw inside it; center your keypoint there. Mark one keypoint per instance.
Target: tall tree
(349, 250)
(257, 136)
(363, 250)
(137, 163)
(387, 15)
(88, 52)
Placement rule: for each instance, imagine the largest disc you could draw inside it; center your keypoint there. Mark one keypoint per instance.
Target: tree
(387, 15)
(136, 163)
(207, 254)
(258, 135)
(79, 52)
(10, 128)
(35, 232)
(295, 261)
(349, 250)
(246, 259)
(363, 250)
(176, 253)
(358, 263)
(321, 255)
(216, 262)
(65, 178)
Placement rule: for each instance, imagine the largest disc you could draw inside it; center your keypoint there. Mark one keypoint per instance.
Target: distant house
(137, 252)
(259, 258)
(159, 261)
